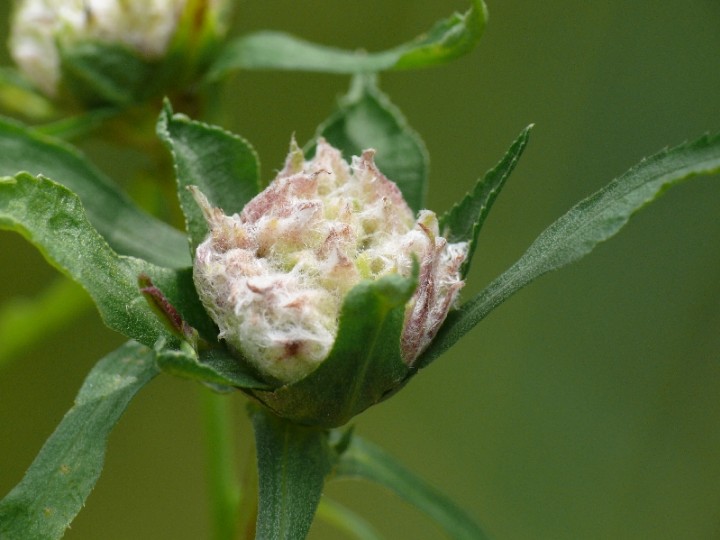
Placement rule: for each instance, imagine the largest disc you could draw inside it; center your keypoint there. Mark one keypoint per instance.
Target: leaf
(58, 482)
(52, 218)
(574, 235)
(26, 321)
(224, 489)
(125, 227)
(292, 464)
(448, 39)
(364, 365)
(366, 118)
(224, 166)
(464, 220)
(365, 460)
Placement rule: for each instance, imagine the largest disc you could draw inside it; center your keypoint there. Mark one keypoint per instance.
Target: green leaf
(464, 220)
(448, 39)
(126, 228)
(224, 489)
(346, 520)
(58, 482)
(365, 118)
(26, 321)
(365, 460)
(224, 166)
(51, 217)
(215, 366)
(292, 464)
(574, 235)
(365, 364)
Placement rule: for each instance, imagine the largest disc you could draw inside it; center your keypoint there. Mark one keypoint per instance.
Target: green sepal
(365, 460)
(448, 39)
(365, 118)
(293, 462)
(575, 234)
(365, 364)
(63, 474)
(96, 73)
(129, 230)
(222, 165)
(462, 223)
(211, 365)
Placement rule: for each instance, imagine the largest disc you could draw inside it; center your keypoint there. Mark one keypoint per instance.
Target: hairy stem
(222, 471)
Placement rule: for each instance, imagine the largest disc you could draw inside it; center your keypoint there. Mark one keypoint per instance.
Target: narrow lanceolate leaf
(365, 460)
(224, 166)
(364, 364)
(292, 464)
(125, 227)
(58, 482)
(464, 220)
(449, 39)
(588, 223)
(366, 118)
(52, 218)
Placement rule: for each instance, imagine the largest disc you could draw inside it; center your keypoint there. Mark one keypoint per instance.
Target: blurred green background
(588, 406)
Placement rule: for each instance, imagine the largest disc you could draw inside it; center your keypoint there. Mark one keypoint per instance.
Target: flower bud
(274, 277)
(46, 36)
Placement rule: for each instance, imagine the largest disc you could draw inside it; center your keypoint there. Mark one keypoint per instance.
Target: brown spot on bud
(293, 348)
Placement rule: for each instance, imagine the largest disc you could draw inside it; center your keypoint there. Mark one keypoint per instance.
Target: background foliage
(588, 405)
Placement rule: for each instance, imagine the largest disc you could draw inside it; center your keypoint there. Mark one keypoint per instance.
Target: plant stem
(247, 514)
(222, 473)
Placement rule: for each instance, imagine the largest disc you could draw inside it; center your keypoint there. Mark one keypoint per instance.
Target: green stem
(247, 516)
(222, 473)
